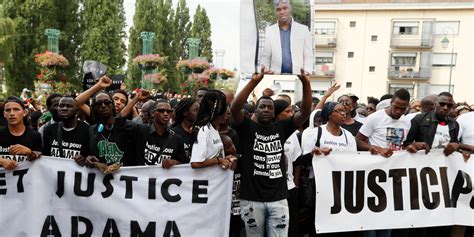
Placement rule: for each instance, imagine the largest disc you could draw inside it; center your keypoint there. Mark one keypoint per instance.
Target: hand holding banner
(57, 197)
(367, 192)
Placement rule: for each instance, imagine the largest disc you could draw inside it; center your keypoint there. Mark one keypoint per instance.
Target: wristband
(218, 161)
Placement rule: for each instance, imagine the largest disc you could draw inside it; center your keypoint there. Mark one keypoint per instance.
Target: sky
(224, 18)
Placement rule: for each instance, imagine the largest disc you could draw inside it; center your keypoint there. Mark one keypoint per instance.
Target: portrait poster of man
(284, 43)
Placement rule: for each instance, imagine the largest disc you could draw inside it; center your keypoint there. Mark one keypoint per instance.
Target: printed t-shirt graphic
(442, 137)
(385, 131)
(262, 164)
(75, 142)
(161, 147)
(30, 138)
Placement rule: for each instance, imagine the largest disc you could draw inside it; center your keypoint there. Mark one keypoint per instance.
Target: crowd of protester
(105, 130)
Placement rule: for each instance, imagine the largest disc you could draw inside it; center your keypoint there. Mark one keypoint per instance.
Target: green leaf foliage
(31, 18)
(104, 23)
(201, 29)
(143, 20)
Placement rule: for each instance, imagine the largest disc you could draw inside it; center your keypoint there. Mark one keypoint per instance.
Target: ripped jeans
(260, 216)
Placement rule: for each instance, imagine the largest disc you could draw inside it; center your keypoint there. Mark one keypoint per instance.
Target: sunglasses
(442, 104)
(339, 111)
(169, 111)
(345, 102)
(103, 102)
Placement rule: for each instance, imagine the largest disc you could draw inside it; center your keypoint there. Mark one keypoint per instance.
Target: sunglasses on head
(103, 102)
(169, 111)
(442, 104)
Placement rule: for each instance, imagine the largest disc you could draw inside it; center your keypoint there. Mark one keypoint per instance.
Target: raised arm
(326, 95)
(142, 94)
(301, 116)
(241, 98)
(81, 99)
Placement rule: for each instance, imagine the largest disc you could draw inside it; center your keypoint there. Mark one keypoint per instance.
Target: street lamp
(445, 43)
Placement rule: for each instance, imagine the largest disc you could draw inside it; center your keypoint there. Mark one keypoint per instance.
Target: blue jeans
(377, 233)
(260, 216)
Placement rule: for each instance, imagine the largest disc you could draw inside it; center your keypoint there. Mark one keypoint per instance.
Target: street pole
(445, 43)
(451, 65)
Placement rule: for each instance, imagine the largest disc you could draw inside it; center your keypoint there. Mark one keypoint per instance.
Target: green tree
(31, 18)
(68, 18)
(143, 20)
(104, 23)
(164, 42)
(301, 12)
(182, 26)
(7, 31)
(201, 29)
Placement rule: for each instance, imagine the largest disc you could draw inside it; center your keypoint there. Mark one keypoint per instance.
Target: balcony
(325, 41)
(420, 73)
(407, 34)
(325, 70)
(401, 42)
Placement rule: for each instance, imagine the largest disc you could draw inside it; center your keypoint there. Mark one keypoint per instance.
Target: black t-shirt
(74, 142)
(186, 138)
(234, 137)
(119, 143)
(262, 165)
(167, 146)
(353, 128)
(30, 138)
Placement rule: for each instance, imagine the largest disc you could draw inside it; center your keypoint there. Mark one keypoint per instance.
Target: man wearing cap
(356, 116)
(288, 44)
(17, 142)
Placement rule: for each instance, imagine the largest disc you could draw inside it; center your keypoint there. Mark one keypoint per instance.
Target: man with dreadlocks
(208, 149)
(185, 116)
(264, 184)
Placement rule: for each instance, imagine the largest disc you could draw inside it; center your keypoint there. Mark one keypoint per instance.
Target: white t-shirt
(208, 144)
(360, 118)
(384, 131)
(292, 150)
(466, 128)
(410, 116)
(442, 137)
(343, 142)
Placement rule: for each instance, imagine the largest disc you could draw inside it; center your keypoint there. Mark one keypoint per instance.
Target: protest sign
(56, 197)
(366, 192)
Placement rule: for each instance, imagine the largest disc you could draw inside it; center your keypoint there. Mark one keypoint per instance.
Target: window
(372, 69)
(324, 57)
(349, 84)
(394, 87)
(352, 24)
(350, 54)
(447, 27)
(325, 27)
(374, 38)
(405, 28)
(403, 59)
(285, 85)
(443, 59)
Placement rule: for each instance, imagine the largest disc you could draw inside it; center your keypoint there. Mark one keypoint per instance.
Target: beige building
(373, 47)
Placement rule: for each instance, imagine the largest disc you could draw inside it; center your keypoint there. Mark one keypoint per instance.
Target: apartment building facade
(374, 47)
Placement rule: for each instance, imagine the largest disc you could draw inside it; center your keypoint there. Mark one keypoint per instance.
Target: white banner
(360, 191)
(56, 197)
